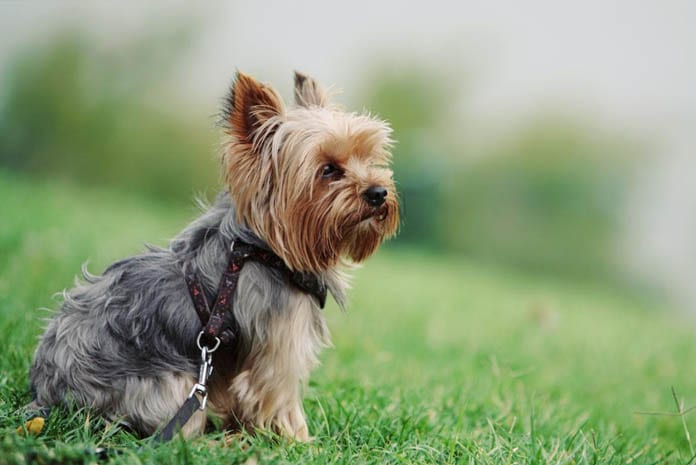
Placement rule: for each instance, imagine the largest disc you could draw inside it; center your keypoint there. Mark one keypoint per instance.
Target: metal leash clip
(205, 370)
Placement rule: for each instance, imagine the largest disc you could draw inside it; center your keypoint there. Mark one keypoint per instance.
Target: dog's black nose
(375, 196)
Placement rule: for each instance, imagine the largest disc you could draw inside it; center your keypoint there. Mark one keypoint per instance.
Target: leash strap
(193, 402)
(191, 405)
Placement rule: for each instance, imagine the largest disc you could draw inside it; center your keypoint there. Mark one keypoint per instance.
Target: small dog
(312, 185)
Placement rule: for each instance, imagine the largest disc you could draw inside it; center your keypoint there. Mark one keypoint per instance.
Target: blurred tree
(74, 110)
(549, 198)
(546, 198)
(415, 101)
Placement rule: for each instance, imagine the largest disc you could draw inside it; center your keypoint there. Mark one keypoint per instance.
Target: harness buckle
(242, 253)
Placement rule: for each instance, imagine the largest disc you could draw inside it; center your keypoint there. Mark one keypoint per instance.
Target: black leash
(193, 402)
(175, 424)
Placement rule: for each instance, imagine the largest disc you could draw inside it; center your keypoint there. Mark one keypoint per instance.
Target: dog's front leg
(268, 391)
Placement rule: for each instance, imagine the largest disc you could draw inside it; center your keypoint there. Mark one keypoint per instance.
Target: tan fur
(308, 92)
(273, 170)
(251, 105)
(267, 392)
(273, 163)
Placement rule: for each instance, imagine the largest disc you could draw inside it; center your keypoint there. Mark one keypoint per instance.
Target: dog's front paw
(265, 406)
(291, 423)
(303, 435)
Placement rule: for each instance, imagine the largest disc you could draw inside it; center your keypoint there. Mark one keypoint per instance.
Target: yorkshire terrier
(309, 184)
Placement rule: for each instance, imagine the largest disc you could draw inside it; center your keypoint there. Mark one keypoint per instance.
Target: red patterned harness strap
(215, 332)
(240, 252)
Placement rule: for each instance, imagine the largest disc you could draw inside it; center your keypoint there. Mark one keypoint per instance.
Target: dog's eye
(330, 170)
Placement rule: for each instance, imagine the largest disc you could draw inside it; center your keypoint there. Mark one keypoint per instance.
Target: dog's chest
(279, 347)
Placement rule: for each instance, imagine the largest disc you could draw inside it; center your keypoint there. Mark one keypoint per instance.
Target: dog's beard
(314, 236)
(373, 226)
(363, 240)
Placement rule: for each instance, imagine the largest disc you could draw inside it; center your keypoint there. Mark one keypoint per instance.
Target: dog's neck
(205, 243)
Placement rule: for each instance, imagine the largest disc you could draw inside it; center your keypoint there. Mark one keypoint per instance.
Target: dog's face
(312, 180)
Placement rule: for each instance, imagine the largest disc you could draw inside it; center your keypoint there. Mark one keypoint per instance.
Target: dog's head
(312, 180)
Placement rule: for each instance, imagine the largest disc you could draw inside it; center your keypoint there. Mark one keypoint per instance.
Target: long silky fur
(123, 342)
(272, 160)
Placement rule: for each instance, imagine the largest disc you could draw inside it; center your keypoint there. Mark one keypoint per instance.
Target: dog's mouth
(381, 213)
(371, 228)
(378, 214)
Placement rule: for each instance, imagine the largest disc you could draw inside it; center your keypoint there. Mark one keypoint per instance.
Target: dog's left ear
(308, 92)
(249, 106)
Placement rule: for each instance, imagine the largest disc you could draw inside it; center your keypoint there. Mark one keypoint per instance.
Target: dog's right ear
(250, 110)
(309, 92)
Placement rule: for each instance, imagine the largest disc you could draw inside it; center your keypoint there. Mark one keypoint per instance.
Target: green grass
(438, 360)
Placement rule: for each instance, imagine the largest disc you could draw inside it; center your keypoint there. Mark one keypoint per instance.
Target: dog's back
(129, 330)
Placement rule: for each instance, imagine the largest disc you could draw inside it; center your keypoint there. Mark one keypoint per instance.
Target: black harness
(240, 252)
(215, 331)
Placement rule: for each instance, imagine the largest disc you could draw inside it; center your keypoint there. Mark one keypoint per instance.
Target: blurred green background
(545, 194)
(539, 297)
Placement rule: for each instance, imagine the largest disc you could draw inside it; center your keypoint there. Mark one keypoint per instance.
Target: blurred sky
(628, 64)
(629, 61)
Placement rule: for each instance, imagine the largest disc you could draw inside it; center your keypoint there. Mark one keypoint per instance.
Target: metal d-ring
(200, 346)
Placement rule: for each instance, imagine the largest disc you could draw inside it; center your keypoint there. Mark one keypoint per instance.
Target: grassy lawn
(438, 360)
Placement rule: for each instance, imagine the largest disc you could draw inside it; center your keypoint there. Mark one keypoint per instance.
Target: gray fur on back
(136, 320)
